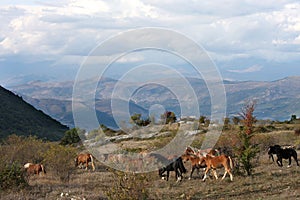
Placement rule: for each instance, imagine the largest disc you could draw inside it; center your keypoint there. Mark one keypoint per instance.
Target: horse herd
(199, 159)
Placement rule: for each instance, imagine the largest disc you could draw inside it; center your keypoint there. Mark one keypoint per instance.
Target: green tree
(168, 117)
(293, 117)
(71, 137)
(236, 120)
(137, 119)
(226, 122)
(202, 119)
(247, 151)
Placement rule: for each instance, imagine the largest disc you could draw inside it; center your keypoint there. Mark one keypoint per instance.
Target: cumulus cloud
(71, 28)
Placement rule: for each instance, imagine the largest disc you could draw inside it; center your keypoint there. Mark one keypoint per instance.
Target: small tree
(226, 122)
(71, 137)
(137, 119)
(168, 117)
(202, 119)
(247, 151)
(236, 120)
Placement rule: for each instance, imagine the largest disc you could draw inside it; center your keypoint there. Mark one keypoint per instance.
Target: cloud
(254, 68)
(59, 30)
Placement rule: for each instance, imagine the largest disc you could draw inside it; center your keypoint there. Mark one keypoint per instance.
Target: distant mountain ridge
(20, 118)
(276, 100)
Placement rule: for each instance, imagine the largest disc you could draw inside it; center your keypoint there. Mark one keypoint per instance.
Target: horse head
(161, 171)
(274, 149)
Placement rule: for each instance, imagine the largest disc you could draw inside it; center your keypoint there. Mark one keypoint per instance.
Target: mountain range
(276, 100)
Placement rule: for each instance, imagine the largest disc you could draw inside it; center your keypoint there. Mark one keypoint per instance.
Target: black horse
(176, 166)
(283, 154)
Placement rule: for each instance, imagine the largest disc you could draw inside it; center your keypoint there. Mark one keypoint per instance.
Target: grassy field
(267, 182)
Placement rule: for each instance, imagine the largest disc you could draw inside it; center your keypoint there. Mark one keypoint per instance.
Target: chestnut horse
(216, 162)
(34, 168)
(200, 153)
(195, 162)
(85, 158)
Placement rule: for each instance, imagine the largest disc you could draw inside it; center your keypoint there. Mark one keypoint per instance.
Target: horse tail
(230, 162)
(181, 166)
(92, 161)
(43, 169)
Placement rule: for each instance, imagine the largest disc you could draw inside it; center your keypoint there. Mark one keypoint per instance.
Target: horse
(281, 153)
(278, 146)
(32, 169)
(195, 162)
(190, 150)
(216, 162)
(85, 158)
(176, 166)
(200, 153)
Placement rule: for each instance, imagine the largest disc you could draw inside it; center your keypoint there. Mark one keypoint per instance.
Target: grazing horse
(195, 162)
(216, 162)
(32, 169)
(176, 166)
(85, 158)
(283, 154)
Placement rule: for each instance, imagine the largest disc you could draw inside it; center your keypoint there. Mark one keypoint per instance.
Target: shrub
(12, 176)
(60, 160)
(297, 131)
(23, 149)
(71, 137)
(128, 186)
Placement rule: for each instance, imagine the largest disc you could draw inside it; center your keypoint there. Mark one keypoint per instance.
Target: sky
(247, 40)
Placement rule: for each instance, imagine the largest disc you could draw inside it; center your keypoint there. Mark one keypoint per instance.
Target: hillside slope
(20, 118)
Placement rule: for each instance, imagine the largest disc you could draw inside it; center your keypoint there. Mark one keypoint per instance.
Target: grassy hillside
(20, 118)
(269, 181)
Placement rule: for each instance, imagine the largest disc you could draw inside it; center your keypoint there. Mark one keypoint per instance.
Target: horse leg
(193, 168)
(168, 173)
(225, 172)
(279, 162)
(205, 176)
(290, 161)
(178, 175)
(86, 165)
(295, 158)
(215, 173)
(271, 156)
(230, 174)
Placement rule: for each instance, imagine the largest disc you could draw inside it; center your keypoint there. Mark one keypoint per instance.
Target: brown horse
(85, 158)
(200, 153)
(32, 169)
(195, 162)
(216, 162)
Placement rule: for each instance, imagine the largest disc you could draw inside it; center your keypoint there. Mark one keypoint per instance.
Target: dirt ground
(268, 182)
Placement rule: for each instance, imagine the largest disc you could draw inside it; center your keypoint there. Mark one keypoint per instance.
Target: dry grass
(268, 181)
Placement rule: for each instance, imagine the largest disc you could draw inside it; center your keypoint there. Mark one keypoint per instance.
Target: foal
(195, 162)
(216, 162)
